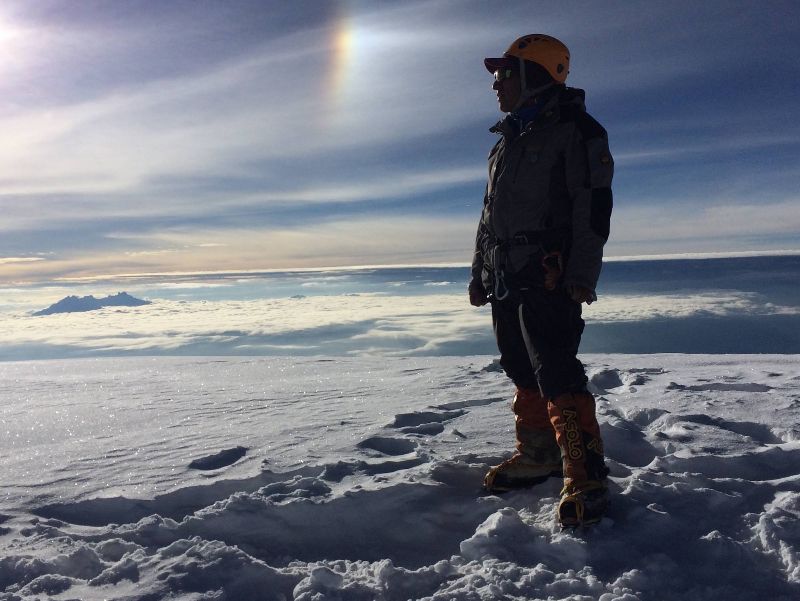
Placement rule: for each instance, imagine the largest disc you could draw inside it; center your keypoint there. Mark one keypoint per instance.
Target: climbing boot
(584, 498)
(583, 504)
(537, 455)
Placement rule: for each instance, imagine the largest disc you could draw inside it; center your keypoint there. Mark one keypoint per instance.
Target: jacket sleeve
(589, 170)
(477, 256)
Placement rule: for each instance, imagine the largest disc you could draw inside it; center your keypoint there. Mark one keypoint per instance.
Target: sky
(196, 136)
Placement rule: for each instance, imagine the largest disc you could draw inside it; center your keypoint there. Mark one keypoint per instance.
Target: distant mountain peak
(75, 304)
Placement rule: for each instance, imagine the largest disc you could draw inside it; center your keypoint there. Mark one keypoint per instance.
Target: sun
(9, 33)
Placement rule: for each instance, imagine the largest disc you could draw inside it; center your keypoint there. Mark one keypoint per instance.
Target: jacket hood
(574, 97)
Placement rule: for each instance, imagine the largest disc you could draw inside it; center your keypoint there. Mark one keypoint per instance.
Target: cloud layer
(430, 324)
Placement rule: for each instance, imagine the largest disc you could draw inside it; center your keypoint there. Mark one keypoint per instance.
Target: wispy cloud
(358, 241)
(10, 260)
(636, 308)
(397, 185)
(700, 225)
(258, 106)
(191, 285)
(728, 144)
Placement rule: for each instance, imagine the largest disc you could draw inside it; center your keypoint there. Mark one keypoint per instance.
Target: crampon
(518, 472)
(582, 505)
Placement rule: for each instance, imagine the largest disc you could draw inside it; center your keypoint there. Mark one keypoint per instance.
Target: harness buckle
(521, 239)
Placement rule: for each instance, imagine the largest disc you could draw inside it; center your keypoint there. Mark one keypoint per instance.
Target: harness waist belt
(545, 238)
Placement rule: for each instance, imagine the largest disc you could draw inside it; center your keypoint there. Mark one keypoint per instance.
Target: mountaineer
(538, 255)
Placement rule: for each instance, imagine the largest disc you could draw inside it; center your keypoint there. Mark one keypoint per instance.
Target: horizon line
(440, 265)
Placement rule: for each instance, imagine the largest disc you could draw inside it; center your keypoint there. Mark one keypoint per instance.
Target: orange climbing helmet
(537, 48)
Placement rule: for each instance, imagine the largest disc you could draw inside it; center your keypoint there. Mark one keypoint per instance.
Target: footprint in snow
(219, 460)
(608, 379)
(431, 429)
(623, 438)
(684, 428)
(3, 519)
(388, 446)
(469, 403)
(643, 417)
(722, 386)
(375, 468)
(426, 423)
(387, 455)
(175, 505)
(418, 418)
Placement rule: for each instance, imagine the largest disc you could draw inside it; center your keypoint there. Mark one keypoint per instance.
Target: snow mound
(604, 380)
(778, 532)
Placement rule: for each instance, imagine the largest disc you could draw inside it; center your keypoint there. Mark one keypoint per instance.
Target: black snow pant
(538, 332)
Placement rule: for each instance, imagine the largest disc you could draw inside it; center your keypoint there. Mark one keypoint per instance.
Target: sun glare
(9, 33)
(7, 30)
(342, 51)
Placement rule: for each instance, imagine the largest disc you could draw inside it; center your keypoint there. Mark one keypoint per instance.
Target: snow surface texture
(312, 479)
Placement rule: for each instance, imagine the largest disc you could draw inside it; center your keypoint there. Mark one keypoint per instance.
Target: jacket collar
(548, 112)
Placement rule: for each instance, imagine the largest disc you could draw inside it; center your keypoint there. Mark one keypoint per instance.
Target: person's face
(507, 85)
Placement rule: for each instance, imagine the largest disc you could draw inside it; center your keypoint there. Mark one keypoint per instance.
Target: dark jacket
(549, 189)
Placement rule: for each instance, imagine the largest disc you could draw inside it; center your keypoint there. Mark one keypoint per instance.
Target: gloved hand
(477, 295)
(580, 294)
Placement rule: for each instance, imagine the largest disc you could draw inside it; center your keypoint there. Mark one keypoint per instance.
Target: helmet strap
(524, 93)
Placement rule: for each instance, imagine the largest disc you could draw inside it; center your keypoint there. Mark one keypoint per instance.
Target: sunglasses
(501, 74)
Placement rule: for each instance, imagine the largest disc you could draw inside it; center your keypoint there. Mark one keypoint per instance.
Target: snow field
(359, 479)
